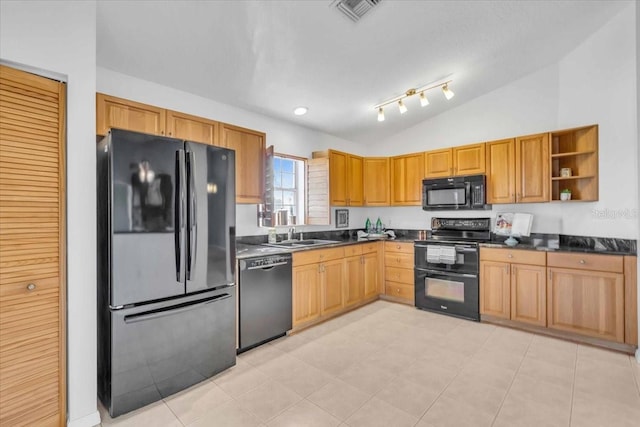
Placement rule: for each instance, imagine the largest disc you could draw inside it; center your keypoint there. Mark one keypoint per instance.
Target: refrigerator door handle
(193, 215)
(169, 311)
(180, 214)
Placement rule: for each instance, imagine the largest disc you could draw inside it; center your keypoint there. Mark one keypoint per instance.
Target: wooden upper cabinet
(375, 178)
(355, 187)
(192, 128)
(129, 115)
(249, 146)
(501, 173)
(407, 173)
(456, 161)
(532, 168)
(469, 159)
(438, 163)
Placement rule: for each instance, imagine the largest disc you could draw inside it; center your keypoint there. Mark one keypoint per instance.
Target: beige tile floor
(392, 365)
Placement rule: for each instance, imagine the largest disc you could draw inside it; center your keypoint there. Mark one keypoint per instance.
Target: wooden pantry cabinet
(407, 173)
(399, 281)
(518, 170)
(32, 250)
(586, 294)
(513, 285)
(456, 161)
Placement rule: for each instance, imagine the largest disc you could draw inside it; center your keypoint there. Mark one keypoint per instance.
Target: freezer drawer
(159, 349)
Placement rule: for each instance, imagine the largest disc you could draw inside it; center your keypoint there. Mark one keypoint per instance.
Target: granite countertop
(564, 248)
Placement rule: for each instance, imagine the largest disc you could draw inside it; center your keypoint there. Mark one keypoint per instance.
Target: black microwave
(455, 193)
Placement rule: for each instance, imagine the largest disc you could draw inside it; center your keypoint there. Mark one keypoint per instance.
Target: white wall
(595, 83)
(60, 36)
(285, 137)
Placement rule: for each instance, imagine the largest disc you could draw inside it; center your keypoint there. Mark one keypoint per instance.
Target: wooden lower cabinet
(331, 284)
(354, 284)
(370, 274)
(528, 294)
(586, 302)
(306, 293)
(495, 289)
(398, 272)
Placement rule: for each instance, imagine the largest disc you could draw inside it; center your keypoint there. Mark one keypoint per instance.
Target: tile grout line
(174, 414)
(515, 375)
(573, 384)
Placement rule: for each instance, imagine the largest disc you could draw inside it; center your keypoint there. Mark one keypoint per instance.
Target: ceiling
(271, 56)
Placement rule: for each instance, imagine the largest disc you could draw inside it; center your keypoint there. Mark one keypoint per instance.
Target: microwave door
(452, 196)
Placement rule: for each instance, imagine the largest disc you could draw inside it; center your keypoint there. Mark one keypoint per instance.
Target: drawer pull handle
(31, 287)
(397, 246)
(509, 256)
(582, 261)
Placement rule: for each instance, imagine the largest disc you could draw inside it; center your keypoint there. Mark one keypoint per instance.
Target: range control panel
(475, 224)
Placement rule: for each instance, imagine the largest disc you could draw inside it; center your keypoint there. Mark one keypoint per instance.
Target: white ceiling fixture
(300, 111)
(355, 9)
(448, 93)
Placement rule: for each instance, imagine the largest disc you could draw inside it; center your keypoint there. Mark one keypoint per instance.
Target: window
(289, 185)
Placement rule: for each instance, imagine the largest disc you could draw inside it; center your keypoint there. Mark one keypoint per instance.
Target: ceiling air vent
(355, 9)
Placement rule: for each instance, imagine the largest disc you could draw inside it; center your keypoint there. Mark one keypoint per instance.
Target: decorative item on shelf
(565, 172)
(342, 218)
(420, 91)
(565, 194)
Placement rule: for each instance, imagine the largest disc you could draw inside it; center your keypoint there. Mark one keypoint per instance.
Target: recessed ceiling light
(300, 111)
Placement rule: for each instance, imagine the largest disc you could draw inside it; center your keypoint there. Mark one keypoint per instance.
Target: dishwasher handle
(268, 267)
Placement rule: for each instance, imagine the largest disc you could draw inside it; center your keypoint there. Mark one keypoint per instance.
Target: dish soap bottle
(378, 226)
(367, 225)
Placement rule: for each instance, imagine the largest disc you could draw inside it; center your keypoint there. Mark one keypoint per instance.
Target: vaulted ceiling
(271, 56)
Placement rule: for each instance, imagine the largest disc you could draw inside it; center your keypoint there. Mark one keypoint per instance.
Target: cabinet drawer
(513, 255)
(397, 259)
(400, 290)
(401, 275)
(316, 256)
(406, 247)
(370, 247)
(581, 261)
(353, 250)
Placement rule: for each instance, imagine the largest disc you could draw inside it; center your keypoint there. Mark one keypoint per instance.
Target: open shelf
(575, 149)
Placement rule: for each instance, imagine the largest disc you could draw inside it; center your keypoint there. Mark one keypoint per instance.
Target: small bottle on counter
(378, 226)
(273, 237)
(367, 225)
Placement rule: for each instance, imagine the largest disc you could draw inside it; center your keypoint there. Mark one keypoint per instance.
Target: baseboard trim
(90, 420)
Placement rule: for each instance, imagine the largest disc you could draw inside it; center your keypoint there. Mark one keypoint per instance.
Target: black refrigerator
(166, 266)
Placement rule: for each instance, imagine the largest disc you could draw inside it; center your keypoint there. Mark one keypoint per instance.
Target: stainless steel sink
(300, 243)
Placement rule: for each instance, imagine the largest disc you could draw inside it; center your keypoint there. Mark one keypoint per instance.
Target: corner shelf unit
(576, 149)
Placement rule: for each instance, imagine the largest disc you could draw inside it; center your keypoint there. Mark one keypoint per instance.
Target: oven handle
(446, 273)
(458, 248)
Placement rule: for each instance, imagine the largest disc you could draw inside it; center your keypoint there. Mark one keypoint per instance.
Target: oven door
(450, 293)
(465, 259)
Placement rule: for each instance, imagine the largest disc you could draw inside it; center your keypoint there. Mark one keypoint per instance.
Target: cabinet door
(32, 250)
(529, 294)
(250, 147)
(500, 169)
(354, 286)
(355, 189)
(495, 289)
(129, 115)
(331, 286)
(192, 128)
(438, 163)
(586, 302)
(469, 159)
(532, 168)
(375, 178)
(407, 173)
(338, 165)
(371, 278)
(306, 293)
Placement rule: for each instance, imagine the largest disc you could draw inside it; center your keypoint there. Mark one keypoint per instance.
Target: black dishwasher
(264, 299)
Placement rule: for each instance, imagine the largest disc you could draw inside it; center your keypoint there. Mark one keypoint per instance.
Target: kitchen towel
(447, 254)
(433, 254)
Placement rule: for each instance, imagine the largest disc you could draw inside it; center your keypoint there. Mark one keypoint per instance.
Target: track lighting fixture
(448, 93)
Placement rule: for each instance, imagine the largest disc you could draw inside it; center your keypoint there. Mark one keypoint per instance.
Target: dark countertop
(531, 247)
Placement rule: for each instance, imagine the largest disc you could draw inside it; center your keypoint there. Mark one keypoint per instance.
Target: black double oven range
(447, 265)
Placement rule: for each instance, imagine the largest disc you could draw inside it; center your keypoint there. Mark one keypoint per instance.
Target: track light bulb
(402, 107)
(448, 93)
(423, 99)
(380, 114)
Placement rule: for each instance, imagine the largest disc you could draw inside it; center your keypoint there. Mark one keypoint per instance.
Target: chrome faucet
(290, 233)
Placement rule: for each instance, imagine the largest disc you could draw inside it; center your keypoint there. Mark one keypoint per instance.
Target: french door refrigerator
(166, 266)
